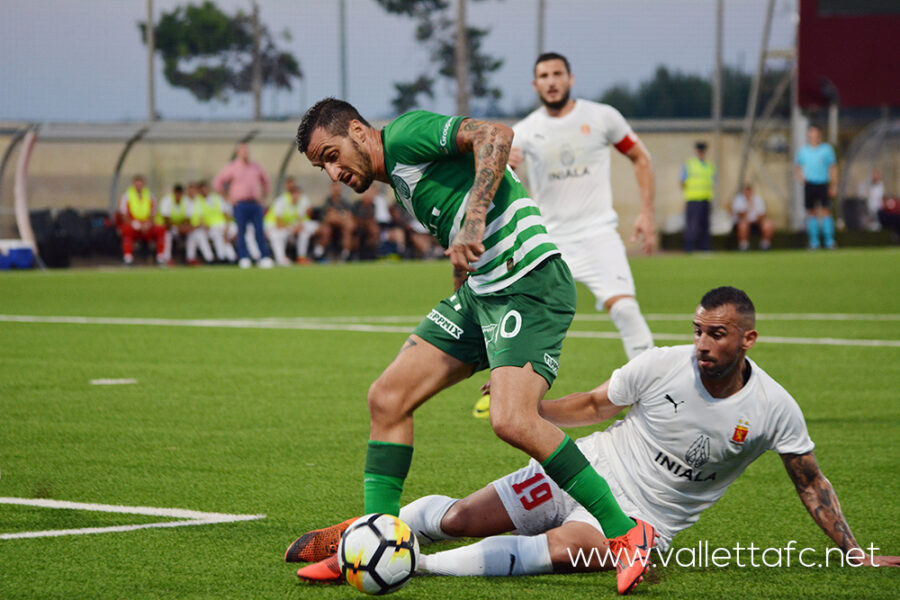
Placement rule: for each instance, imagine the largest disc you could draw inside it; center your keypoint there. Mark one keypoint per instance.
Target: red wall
(859, 54)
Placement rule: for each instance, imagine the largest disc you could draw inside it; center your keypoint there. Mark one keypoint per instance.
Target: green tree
(673, 94)
(436, 29)
(210, 53)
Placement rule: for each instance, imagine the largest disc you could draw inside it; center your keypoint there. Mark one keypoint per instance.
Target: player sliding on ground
(514, 299)
(699, 416)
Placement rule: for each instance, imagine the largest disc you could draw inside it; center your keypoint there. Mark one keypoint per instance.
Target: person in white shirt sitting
(749, 212)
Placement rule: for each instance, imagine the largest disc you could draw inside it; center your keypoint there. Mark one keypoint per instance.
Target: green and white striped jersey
(432, 181)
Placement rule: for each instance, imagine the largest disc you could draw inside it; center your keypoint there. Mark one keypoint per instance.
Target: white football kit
(676, 451)
(567, 165)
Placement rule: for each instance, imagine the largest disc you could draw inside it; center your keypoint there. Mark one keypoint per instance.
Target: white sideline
(312, 324)
(192, 517)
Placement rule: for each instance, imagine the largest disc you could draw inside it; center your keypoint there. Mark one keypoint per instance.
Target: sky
(84, 60)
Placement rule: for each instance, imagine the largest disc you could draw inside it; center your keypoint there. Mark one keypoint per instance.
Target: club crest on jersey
(401, 186)
(740, 432)
(585, 129)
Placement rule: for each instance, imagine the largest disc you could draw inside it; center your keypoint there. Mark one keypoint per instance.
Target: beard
(718, 370)
(365, 177)
(559, 104)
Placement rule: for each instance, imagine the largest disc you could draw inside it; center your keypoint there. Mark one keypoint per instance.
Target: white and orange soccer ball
(378, 554)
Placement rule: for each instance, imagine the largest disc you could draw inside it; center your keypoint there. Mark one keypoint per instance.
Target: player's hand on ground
(645, 230)
(515, 157)
(466, 247)
(880, 561)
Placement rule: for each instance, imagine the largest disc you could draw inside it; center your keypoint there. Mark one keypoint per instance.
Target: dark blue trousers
(250, 211)
(696, 226)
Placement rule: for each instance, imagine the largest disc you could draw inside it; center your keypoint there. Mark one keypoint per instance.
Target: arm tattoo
(818, 496)
(409, 343)
(490, 146)
(485, 151)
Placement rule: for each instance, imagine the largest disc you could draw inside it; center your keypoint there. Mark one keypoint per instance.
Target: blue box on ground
(15, 254)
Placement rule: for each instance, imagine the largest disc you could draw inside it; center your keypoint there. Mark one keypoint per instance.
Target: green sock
(386, 467)
(572, 472)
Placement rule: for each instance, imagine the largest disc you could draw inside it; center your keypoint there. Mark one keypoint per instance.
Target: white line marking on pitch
(190, 517)
(113, 381)
(313, 325)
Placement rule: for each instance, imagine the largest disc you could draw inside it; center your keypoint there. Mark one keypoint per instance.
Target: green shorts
(523, 323)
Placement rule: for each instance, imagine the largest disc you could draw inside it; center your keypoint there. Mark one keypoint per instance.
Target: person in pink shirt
(244, 184)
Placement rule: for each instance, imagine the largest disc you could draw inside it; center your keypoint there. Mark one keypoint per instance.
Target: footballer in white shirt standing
(565, 148)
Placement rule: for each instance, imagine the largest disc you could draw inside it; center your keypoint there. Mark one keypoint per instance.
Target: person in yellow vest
(289, 216)
(217, 220)
(174, 215)
(137, 211)
(198, 238)
(698, 182)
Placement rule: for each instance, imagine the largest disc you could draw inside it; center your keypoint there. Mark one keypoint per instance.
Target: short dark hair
(178, 188)
(553, 56)
(332, 115)
(721, 296)
(701, 146)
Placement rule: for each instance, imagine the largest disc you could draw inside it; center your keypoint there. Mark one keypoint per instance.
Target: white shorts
(535, 504)
(599, 261)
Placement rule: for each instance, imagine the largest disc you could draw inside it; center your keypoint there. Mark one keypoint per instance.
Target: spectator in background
(749, 212)
(216, 218)
(874, 195)
(816, 167)
(198, 238)
(698, 183)
(247, 184)
(137, 212)
(174, 216)
(419, 238)
(393, 229)
(368, 231)
(337, 224)
(289, 216)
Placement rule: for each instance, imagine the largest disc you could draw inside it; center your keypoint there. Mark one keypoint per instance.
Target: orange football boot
(317, 545)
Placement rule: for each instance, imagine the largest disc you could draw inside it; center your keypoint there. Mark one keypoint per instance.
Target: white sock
(497, 556)
(424, 517)
(627, 317)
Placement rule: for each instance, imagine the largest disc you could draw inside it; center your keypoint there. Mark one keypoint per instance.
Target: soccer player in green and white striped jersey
(514, 296)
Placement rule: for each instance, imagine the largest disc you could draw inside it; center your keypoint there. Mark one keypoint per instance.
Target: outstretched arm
(645, 225)
(490, 143)
(818, 496)
(582, 408)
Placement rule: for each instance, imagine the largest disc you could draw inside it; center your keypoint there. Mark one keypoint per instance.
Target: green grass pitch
(269, 417)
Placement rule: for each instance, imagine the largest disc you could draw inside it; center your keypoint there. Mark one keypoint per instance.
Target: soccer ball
(378, 554)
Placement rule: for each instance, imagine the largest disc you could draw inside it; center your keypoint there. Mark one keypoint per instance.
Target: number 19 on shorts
(534, 491)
